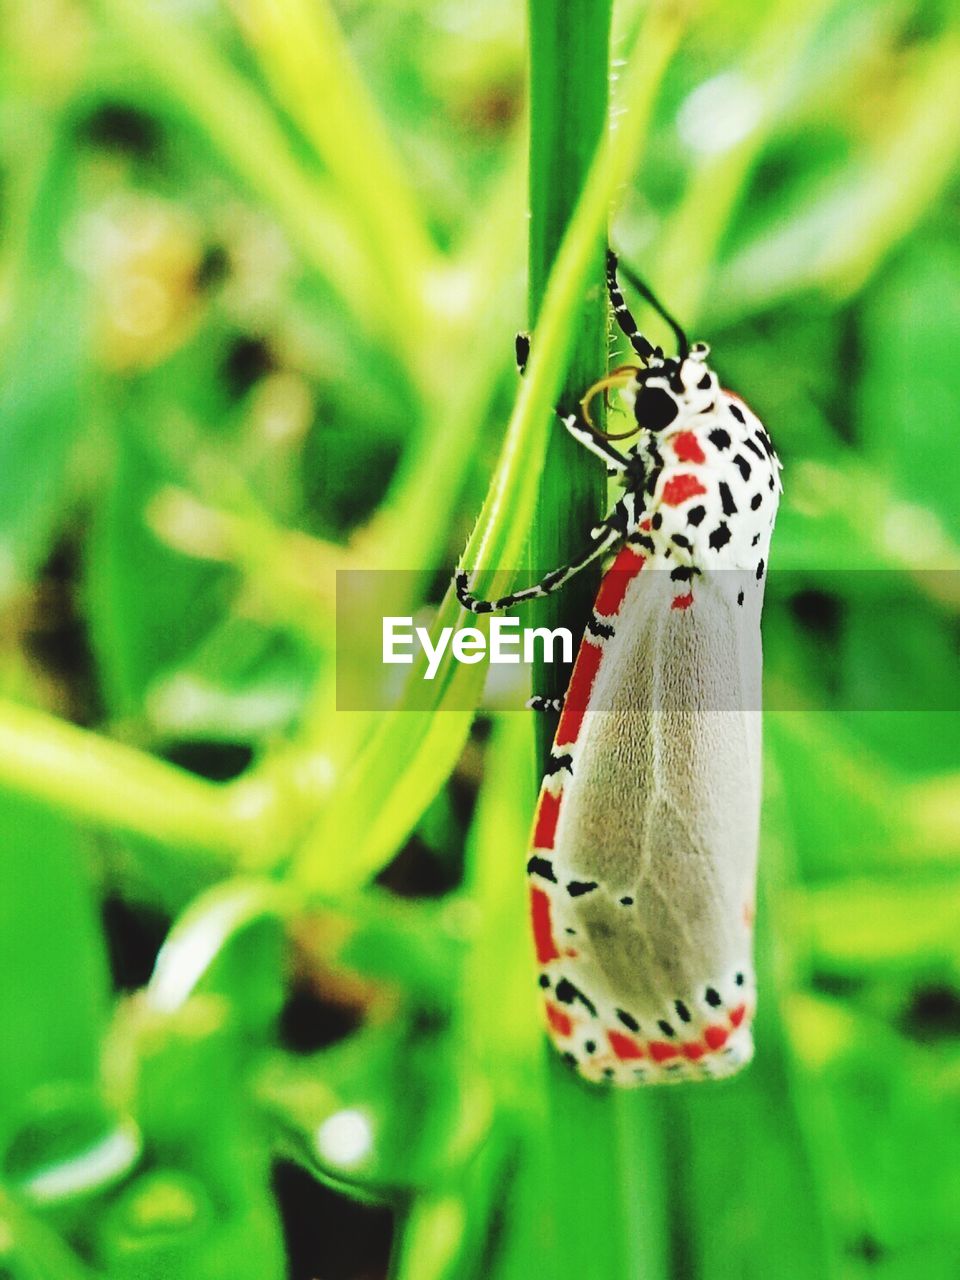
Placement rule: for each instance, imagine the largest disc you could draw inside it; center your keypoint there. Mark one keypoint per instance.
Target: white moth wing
(661, 814)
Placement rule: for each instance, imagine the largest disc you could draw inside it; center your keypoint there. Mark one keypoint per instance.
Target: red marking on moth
(571, 954)
(660, 1051)
(716, 1037)
(680, 488)
(542, 928)
(687, 447)
(682, 602)
(625, 1047)
(548, 811)
(559, 1021)
(693, 1050)
(616, 580)
(645, 525)
(738, 1014)
(581, 682)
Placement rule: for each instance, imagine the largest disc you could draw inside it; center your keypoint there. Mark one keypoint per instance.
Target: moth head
(661, 393)
(673, 388)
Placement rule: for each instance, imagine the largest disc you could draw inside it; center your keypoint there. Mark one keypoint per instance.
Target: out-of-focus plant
(259, 268)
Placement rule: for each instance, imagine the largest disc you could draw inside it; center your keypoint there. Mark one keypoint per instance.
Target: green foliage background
(260, 263)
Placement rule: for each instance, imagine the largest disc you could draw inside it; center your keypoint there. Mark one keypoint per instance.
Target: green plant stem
(586, 1142)
(569, 61)
(839, 239)
(688, 248)
(346, 848)
(254, 820)
(113, 786)
(310, 68)
(238, 123)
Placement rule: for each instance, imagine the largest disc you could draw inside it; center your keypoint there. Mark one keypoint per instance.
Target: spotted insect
(643, 857)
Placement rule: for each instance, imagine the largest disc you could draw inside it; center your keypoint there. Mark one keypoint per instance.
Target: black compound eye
(655, 408)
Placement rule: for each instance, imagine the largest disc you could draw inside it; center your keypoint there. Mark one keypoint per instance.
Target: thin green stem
(113, 786)
(569, 61)
(585, 1143)
(310, 68)
(838, 240)
(238, 123)
(345, 847)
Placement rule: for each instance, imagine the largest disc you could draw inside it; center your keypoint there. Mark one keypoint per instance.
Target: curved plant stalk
(840, 238)
(240, 126)
(111, 785)
(309, 66)
(681, 263)
(585, 1138)
(413, 748)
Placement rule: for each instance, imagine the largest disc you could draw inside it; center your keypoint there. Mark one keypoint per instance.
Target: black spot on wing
(712, 997)
(695, 515)
(737, 412)
(755, 448)
(567, 993)
(742, 465)
(602, 630)
(719, 438)
(683, 1013)
(557, 764)
(756, 502)
(726, 498)
(541, 867)
(628, 1020)
(577, 888)
(760, 568)
(720, 536)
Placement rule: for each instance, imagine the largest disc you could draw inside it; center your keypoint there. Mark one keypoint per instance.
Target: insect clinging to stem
(642, 865)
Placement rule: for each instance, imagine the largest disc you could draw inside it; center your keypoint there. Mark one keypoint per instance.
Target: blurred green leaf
(149, 605)
(53, 995)
(42, 361)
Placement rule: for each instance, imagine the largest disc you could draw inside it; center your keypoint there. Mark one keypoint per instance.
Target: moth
(643, 858)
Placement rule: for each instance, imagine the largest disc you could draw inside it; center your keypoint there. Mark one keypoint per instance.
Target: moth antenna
(683, 346)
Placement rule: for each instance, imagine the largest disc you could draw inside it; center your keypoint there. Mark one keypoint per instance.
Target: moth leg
(616, 462)
(521, 346)
(539, 702)
(610, 531)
